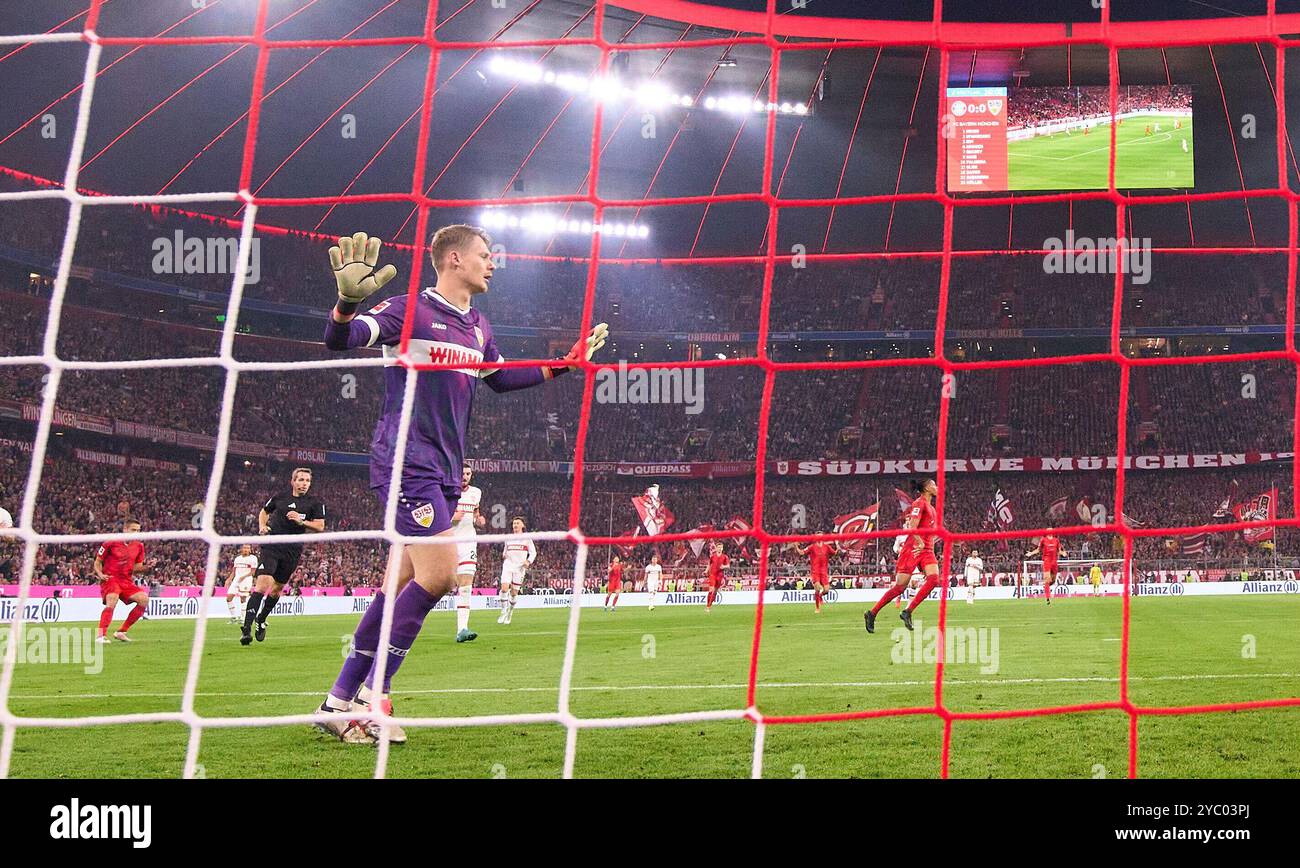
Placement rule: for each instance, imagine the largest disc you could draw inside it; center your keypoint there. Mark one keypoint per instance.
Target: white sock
(462, 608)
(232, 603)
(652, 598)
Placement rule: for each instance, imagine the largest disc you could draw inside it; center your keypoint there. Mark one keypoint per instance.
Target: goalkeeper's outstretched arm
(354, 263)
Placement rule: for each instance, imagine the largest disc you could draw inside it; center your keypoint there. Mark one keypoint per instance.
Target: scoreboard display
(1059, 138)
(975, 124)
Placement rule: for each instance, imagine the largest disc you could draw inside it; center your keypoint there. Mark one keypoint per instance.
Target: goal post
(1112, 570)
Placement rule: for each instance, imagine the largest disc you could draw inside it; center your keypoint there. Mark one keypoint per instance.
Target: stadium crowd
(692, 312)
(1034, 106)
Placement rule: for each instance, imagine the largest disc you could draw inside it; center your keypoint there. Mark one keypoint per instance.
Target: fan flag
(1226, 506)
(654, 514)
(1056, 511)
(1130, 521)
(858, 521)
(697, 545)
(1084, 510)
(1194, 543)
(738, 523)
(1261, 507)
(904, 501)
(999, 514)
(680, 552)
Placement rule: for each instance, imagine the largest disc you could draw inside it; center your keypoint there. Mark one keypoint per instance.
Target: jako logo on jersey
(438, 325)
(423, 515)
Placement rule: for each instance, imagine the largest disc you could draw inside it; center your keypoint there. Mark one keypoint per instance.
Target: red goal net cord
(937, 34)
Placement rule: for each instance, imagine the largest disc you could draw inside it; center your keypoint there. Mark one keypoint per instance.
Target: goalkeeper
(446, 330)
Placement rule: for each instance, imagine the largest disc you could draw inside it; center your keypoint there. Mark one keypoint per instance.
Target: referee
(292, 513)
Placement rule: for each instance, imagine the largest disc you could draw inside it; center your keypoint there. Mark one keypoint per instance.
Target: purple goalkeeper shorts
(424, 508)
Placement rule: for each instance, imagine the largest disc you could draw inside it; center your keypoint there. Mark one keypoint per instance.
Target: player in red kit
(1049, 547)
(615, 583)
(819, 556)
(717, 563)
(117, 563)
(917, 551)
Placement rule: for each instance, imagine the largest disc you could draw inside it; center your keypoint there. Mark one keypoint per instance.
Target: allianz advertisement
(53, 610)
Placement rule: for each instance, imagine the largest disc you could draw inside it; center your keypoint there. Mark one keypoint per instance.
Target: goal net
(774, 35)
(1114, 571)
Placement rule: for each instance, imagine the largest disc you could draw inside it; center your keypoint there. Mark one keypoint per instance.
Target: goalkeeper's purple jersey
(441, 333)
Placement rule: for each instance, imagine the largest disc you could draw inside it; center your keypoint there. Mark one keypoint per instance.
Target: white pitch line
(772, 685)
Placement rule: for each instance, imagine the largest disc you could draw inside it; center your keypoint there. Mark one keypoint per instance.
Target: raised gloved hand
(354, 262)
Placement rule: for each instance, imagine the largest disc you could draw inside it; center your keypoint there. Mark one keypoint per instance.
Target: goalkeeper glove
(354, 263)
(583, 349)
(898, 544)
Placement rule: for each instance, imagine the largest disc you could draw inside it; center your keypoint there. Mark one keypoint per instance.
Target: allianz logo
(808, 596)
(182, 608)
(45, 611)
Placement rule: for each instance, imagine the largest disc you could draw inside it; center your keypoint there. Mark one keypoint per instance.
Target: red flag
(738, 523)
(655, 516)
(904, 501)
(1056, 511)
(1226, 506)
(1083, 509)
(697, 545)
(858, 521)
(1262, 507)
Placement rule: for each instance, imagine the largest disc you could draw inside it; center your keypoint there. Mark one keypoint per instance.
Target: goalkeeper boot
(870, 617)
(345, 730)
(906, 615)
(396, 735)
(466, 635)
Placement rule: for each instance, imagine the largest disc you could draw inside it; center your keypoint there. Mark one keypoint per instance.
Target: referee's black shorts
(278, 562)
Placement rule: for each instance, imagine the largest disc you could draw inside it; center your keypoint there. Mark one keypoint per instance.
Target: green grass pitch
(1079, 162)
(1189, 650)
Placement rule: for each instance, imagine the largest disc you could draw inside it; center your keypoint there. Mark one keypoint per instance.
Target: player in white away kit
(464, 521)
(653, 573)
(240, 584)
(974, 574)
(517, 556)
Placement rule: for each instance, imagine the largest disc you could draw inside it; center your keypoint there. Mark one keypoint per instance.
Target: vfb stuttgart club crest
(478, 336)
(423, 515)
(995, 107)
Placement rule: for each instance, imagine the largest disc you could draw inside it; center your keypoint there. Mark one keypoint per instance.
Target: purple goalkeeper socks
(412, 605)
(362, 654)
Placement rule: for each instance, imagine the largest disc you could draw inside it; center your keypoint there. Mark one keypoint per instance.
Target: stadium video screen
(1058, 138)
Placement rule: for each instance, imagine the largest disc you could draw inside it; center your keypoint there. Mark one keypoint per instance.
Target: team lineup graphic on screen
(1058, 138)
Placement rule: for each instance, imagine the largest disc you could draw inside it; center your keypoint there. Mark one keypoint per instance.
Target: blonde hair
(454, 237)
